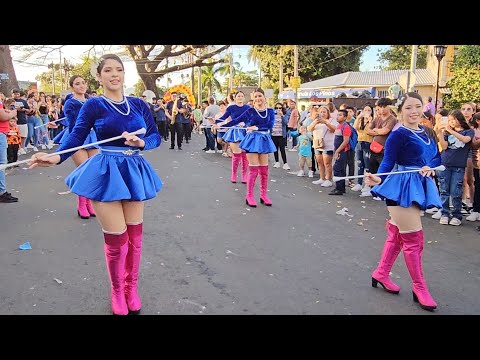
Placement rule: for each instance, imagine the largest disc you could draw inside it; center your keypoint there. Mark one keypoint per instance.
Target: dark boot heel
(415, 298)
(261, 201)
(374, 282)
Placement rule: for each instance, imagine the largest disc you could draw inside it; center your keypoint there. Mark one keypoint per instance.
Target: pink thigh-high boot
(391, 249)
(90, 209)
(244, 167)
(264, 199)
(82, 208)
(236, 158)
(412, 252)
(132, 266)
(252, 176)
(116, 248)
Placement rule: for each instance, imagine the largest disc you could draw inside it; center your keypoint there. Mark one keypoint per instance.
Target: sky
(74, 53)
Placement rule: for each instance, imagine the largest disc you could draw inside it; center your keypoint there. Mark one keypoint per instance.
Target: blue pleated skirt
(114, 176)
(408, 189)
(234, 135)
(258, 142)
(62, 135)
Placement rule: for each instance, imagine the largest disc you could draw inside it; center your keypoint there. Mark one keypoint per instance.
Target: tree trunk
(150, 83)
(6, 67)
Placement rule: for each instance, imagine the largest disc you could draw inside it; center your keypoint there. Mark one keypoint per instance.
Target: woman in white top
(323, 129)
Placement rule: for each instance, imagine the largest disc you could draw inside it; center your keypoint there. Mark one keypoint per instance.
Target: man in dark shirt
(176, 125)
(22, 108)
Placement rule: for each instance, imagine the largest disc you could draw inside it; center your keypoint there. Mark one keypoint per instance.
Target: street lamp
(440, 51)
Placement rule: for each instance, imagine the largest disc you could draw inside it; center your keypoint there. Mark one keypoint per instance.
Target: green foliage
(398, 57)
(465, 82)
(315, 62)
(464, 87)
(467, 56)
(139, 87)
(83, 70)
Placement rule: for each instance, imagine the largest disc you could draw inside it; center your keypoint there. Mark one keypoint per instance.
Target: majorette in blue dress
(234, 111)
(410, 149)
(256, 141)
(117, 172)
(71, 108)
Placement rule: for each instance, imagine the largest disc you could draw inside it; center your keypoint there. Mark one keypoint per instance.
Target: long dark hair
(362, 122)
(106, 57)
(457, 114)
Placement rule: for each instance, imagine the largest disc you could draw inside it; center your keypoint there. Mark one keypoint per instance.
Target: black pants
(340, 169)
(314, 160)
(476, 194)
(187, 131)
(280, 142)
(375, 160)
(12, 153)
(162, 129)
(176, 129)
(351, 162)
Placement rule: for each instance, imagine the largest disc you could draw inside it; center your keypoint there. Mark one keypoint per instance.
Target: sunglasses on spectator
(466, 109)
(278, 107)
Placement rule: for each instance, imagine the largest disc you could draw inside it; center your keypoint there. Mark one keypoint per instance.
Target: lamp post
(440, 51)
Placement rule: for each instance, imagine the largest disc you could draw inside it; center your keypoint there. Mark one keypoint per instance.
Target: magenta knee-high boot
(244, 167)
(132, 266)
(90, 209)
(236, 158)
(391, 249)
(412, 252)
(264, 199)
(82, 208)
(252, 176)
(116, 248)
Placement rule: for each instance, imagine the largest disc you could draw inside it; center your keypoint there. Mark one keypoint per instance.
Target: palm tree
(209, 80)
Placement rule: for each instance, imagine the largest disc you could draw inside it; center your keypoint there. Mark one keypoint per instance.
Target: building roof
(370, 79)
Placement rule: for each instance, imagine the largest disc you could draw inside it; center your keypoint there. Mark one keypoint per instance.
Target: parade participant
(411, 147)
(258, 144)
(118, 179)
(235, 136)
(71, 108)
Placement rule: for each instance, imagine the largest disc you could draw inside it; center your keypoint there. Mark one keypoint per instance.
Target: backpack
(353, 138)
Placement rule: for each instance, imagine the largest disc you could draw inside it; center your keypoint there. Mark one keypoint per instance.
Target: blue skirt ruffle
(62, 135)
(114, 176)
(234, 135)
(408, 189)
(258, 142)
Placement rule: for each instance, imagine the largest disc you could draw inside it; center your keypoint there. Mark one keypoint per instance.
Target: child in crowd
(13, 136)
(304, 147)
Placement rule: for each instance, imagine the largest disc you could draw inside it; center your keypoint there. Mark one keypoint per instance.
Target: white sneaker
(29, 146)
(377, 198)
(366, 189)
(357, 187)
(438, 215)
(292, 149)
(301, 173)
(35, 149)
(276, 165)
(49, 146)
(286, 166)
(210, 152)
(318, 182)
(444, 220)
(365, 194)
(455, 222)
(310, 173)
(327, 183)
(21, 151)
(432, 210)
(474, 216)
(220, 151)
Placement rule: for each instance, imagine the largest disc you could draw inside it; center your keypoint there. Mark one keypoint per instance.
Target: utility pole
(295, 68)
(199, 70)
(411, 73)
(230, 82)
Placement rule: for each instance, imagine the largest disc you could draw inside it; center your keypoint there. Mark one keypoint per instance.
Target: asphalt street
(206, 252)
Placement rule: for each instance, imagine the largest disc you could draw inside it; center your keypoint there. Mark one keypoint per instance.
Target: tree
(398, 57)
(465, 82)
(315, 61)
(84, 70)
(140, 88)
(155, 61)
(150, 60)
(210, 80)
(6, 67)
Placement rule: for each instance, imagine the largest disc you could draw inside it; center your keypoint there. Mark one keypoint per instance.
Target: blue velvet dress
(411, 150)
(234, 111)
(117, 172)
(71, 109)
(257, 141)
